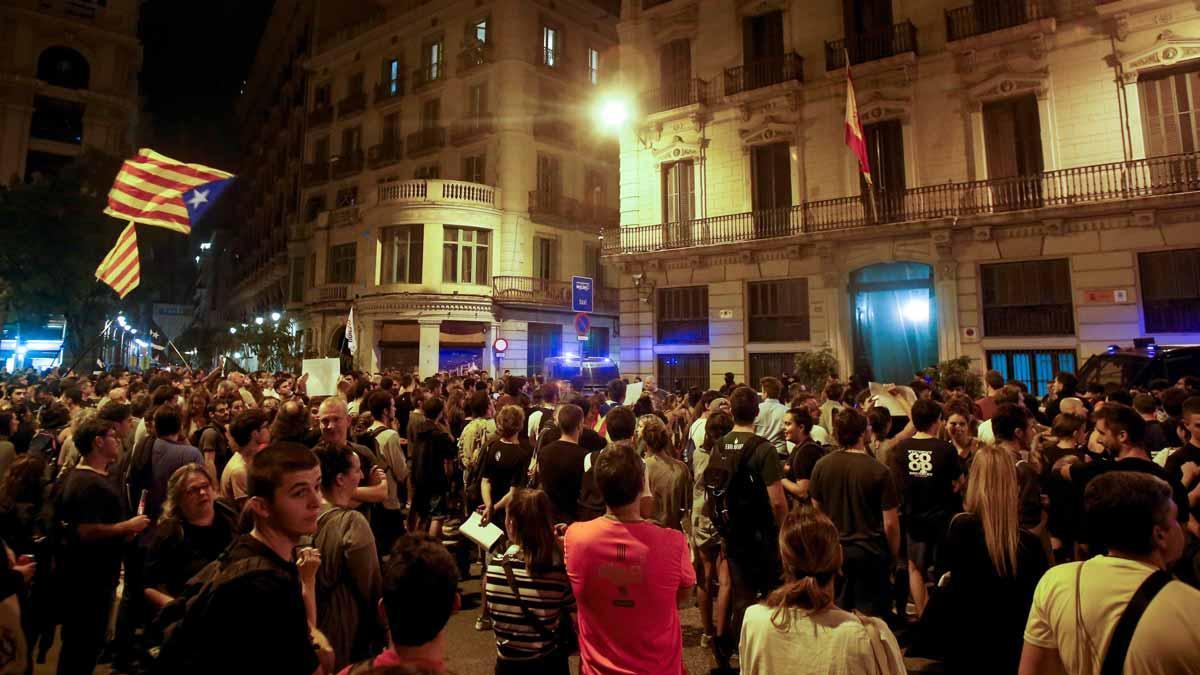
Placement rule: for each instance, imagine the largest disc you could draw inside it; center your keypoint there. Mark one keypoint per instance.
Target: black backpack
(184, 637)
(731, 495)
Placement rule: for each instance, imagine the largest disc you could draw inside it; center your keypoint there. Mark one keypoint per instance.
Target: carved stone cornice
(676, 148)
(1005, 83)
(1168, 49)
(391, 304)
(876, 107)
(1032, 39)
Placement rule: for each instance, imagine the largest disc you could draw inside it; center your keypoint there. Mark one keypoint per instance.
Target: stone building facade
(1035, 184)
(453, 183)
(68, 80)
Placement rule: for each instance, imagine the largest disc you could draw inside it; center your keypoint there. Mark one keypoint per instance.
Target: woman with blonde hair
(799, 629)
(992, 563)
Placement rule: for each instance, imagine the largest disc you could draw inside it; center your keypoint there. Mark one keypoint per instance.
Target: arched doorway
(895, 321)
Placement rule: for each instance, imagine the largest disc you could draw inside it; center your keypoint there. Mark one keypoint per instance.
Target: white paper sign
(882, 393)
(323, 376)
(632, 393)
(484, 535)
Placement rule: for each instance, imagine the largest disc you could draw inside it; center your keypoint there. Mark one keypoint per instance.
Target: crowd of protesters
(187, 522)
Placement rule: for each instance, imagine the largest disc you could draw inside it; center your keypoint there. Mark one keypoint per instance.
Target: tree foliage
(813, 369)
(55, 235)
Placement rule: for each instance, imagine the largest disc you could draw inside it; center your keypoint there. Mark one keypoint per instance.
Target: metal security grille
(684, 370)
(1036, 368)
(1171, 290)
(682, 315)
(1027, 298)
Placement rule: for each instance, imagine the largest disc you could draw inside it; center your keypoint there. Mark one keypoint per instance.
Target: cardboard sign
(882, 395)
(323, 376)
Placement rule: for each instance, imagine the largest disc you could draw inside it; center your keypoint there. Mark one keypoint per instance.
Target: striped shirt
(547, 595)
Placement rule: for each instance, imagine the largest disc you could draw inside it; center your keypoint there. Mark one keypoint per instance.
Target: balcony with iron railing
(471, 128)
(764, 73)
(536, 291)
(871, 46)
(315, 173)
(352, 104)
(343, 215)
(677, 94)
(333, 292)
(550, 128)
(993, 15)
(475, 55)
(552, 208)
(426, 141)
(389, 91)
(348, 164)
(384, 154)
(1095, 184)
(427, 75)
(436, 191)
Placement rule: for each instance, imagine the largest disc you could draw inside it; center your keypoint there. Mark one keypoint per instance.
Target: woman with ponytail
(992, 564)
(799, 629)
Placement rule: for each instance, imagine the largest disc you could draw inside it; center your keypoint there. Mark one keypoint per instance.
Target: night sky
(196, 55)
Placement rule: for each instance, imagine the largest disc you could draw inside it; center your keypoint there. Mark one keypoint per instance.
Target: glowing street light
(276, 316)
(258, 321)
(613, 113)
(233, 330)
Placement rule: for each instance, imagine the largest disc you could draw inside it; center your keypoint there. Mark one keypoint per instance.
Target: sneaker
(705, 640)
(483, 623)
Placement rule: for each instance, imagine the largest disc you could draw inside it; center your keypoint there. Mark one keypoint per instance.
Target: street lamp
(276, 316)
(258, 321)
(233, 330)
(613, 113)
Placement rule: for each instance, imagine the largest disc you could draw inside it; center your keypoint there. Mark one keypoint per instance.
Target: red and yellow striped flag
(120, 268)
(154, 189)
(854, 131)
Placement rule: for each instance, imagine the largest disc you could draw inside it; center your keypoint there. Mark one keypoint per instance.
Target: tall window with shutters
(777, 310)
(1171, 290)
(885, 150)
(549, 182)
(771, 188)
(1027, 298)
(465, 257)
(679, 201)
(1170, 102)
(543, 257)
(675, 74)
(1013, 139)
(341, 264)
(682, 315)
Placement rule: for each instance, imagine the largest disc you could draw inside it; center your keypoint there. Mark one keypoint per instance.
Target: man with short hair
(650, 388)
(1007, 395)
(91, 507)
(335, 431)
(832, 403)
(1183, 465)
(478, 433)
(1014, 433)
(859, 495)
(993, 382)
(615, 392)
(559, 465)
(769, 423)
(1156, 435)
(257, 615)
(168, 453)
(1123, 432)
(419, 573)
(750, 543)
(431, 448)
(1079, 607)
(628, 576)
(548, 406)
(251, 433)
(929, 476)
(388, 523)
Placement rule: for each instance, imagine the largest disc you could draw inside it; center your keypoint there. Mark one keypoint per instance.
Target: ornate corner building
(452, 183)
(68, 80)
(1036, 177)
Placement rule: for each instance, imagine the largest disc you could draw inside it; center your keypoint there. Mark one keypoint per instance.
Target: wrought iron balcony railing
(1115, 181)
(383, 154)
(426, 141)
(993, 15)
(542, 292)
(428, 74)
(474, 55)
(354, 103)
(389, 91)
(549, 206)
(764, 73)
(871, 46)
(348, 164)
(675, 95)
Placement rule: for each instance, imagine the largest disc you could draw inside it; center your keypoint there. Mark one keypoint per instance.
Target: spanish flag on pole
(854, 131)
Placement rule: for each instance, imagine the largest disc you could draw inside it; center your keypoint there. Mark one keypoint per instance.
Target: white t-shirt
(819, 434)
(696, 432)
(1167, 639)
(832, 642)
(984, 434)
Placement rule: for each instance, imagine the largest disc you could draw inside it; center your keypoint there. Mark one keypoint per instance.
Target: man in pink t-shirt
(628, 576)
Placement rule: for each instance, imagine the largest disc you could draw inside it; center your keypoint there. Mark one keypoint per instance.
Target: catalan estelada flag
(120, 268)
(156, 190)
(854, 131)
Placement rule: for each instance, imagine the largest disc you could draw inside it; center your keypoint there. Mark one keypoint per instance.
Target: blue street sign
(581, 294)
(583, 323)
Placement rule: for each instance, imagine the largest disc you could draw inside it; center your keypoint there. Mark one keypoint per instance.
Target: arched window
(63, 67)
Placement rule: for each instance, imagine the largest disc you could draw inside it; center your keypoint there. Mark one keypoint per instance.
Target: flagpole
(872, 212)
(172, 343)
